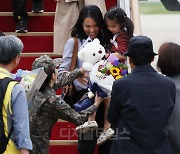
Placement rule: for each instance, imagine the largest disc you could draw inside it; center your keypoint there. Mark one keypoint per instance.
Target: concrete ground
(161, 28)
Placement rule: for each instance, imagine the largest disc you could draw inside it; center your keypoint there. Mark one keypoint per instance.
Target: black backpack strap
(9, 135)
(3, 140)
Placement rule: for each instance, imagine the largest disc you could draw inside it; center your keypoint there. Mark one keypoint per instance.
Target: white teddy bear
(91, 54)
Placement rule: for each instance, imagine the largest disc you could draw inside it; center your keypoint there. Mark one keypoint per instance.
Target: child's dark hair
(93, 12)
(120, 16)
(48, 79)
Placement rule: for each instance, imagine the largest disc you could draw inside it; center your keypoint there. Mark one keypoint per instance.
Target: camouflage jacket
(46, 109)
(66, 78)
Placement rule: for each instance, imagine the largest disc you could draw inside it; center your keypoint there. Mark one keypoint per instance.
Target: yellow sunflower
(114, 71)
(118, 77)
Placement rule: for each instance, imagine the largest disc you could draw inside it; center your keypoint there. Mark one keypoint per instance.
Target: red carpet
(64, 131)
(35, 24)
(66, 149)
(37, 43)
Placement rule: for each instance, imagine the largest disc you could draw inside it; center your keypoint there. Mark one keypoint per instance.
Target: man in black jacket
(141, 104)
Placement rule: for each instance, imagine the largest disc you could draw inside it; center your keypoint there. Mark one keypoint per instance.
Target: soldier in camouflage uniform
(48, 107)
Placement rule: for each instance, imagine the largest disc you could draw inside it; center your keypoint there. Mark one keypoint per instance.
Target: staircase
(39, 41)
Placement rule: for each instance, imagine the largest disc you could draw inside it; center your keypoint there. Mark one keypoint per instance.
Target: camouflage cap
(46, 62)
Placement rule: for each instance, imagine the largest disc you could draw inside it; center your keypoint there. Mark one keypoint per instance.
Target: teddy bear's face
(92, 52)
(94, 55)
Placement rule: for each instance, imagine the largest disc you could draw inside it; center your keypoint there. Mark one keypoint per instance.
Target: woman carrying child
(89, 25)
(122, 29)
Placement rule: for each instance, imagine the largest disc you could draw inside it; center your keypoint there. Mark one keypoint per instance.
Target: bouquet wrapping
(30, 80)
(105, 72)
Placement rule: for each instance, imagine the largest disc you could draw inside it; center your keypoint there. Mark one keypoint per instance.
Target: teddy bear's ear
(81, 54)
(96, 41)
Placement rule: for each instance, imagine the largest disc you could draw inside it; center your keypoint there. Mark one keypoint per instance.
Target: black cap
(140, 46)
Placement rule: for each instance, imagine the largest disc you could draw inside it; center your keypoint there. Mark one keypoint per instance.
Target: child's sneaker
(87, 126)
(104, 136)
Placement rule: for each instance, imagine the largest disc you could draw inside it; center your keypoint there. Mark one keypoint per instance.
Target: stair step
(64, 131)
(28, 58)
(35, 24)
(29, 14)
(30, 34)
(38, 54)
(49, 5)
(65, 149)
(37, 43)
(68, 147)
(63, 142)
(25, 63)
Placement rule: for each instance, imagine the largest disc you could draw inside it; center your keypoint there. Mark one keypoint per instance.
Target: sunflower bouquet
(113, 67)
(105, 72)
